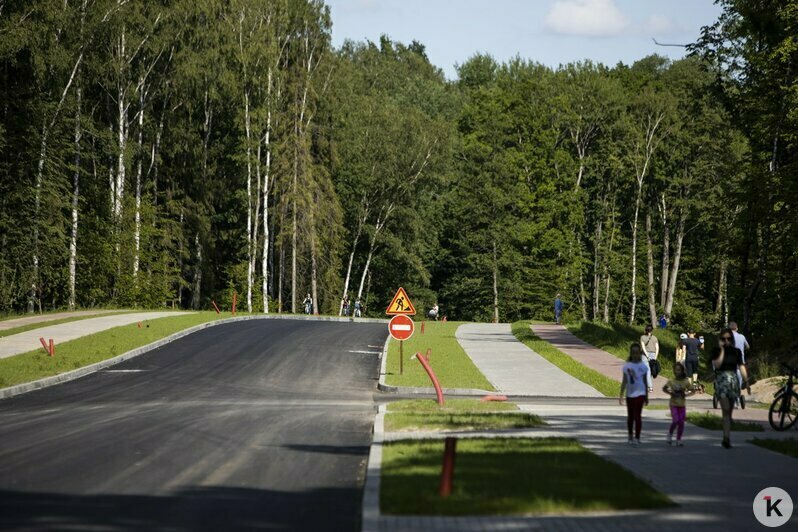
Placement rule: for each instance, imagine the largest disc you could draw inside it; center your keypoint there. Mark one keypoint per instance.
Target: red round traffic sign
(401, 327)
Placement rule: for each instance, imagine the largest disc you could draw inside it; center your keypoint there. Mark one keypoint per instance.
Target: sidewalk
(713, 487)
(29, 340)
(42, 318)
(605, 363)
(513, 368)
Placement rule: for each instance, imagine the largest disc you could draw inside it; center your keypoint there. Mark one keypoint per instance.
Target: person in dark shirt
(692, 345)
(557, 309)
(727, 360)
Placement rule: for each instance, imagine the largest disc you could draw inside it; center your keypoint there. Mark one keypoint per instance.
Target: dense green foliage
(172, 152)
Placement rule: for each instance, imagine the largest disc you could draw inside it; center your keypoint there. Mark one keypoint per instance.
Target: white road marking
(367, 352)
(124, 370)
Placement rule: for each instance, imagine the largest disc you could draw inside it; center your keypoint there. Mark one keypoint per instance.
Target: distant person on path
(308, 302)
(557, 309)
(358, 308)
(636, 384)
(680, 350)
(741, 343)
(345, 304)
(678, 388)
(433, 313)
(650, 345)
(663, 321)
(727, 360)
(692, 346)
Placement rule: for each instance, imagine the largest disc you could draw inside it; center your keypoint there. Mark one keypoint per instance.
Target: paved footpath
(42, 318)
(605, 363)
(513, 368)
(714, 488)
(29, 340)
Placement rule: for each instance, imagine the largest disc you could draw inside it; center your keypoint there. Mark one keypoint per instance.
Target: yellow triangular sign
(401, 304)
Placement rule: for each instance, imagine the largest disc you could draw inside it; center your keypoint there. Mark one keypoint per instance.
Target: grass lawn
(31, 326)
(788, 446)
(709, 421)
(615, 338)
(602, 383)
(94, 348)
(508, 476)
(457, 414)
(450, 363)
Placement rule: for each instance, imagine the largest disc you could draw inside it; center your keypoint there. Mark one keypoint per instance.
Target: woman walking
(678, 388)
(726, 360)
(636, 384)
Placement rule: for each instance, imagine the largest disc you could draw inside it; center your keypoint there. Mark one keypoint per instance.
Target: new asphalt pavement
(262, 424)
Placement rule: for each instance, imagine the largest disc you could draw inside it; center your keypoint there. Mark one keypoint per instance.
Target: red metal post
(432, 377)
(447, 470)
(44, 345)
(401, 357)
(422, 327)
(215, 307)
(52, 348)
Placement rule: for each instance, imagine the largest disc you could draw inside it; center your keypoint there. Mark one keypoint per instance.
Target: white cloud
(591, 18)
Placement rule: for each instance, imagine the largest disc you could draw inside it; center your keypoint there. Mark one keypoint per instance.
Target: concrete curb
(370, 516)
(18, 389)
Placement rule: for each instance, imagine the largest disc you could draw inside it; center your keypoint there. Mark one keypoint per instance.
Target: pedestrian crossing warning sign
(401, 304)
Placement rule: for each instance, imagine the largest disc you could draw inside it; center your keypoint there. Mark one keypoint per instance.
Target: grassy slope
(450, 363)
(457, 414)
(31, 326)
(589, 376)
(615, 339)
(508, 476)
(94, 348)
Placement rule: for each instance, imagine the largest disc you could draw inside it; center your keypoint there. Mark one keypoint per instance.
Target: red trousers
(634, 414)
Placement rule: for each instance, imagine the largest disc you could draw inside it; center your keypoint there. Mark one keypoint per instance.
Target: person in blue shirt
(557, 309)
(663, 322)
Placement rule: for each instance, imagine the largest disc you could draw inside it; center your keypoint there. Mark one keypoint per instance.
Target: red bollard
(45, 346)
(52, 348)
(432, 377)
(422, 327)
(215, 307)
(234, 302)
(447, 470)
(139, 325)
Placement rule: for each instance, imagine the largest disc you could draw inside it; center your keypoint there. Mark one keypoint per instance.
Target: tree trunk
(607, 275)
(360, 223)
(495, 285)
(677, 255)
(596, 272)
(196, 294)
(721, 284)
(250, 246)
(313, 286)
(264, 267)
(633, 284)
(652, 304)
(666, 247)
(73, 241)
(137, 233)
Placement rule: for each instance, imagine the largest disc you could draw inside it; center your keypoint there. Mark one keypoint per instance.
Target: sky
(551, 32)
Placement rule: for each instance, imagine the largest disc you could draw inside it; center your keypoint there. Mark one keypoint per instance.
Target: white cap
(683, 336)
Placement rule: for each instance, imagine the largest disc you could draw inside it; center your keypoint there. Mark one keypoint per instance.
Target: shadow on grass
(509, 476)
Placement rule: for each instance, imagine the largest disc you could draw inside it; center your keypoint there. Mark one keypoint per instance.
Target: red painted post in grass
(235, 296)
(44, 345)
(139, 325)
(429, 353)
(52, 348)
(447, 470)
(432, 377)
(215, 307)
(422, 327)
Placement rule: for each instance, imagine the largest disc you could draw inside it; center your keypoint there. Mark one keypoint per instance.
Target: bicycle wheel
(783, 416)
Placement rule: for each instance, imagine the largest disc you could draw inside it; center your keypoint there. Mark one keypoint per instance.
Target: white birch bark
(137, 229)
(73, 241)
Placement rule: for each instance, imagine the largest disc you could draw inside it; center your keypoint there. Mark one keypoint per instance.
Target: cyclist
(308, 302)
(358, 307)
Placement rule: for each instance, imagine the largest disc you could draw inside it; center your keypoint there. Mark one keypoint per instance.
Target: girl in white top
(637, 384)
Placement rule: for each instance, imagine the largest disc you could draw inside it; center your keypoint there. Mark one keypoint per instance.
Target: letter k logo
(771, 506)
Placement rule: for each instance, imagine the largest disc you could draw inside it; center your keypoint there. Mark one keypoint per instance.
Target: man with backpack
(650, 345)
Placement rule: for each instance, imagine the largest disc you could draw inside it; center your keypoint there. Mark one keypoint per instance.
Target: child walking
(678, 388)
(637, 384)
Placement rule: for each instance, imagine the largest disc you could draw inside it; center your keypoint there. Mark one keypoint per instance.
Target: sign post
(401, 327)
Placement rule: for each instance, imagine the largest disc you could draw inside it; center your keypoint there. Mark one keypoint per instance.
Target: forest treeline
(171, 152)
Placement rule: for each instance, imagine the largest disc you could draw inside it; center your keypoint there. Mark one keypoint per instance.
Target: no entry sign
(401, 327)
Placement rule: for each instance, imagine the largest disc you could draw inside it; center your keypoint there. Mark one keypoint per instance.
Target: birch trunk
(248, 132)
(666, 250)
(137, 233)
(596, 273)
(360, 223)
(607, 275)
(677, 255)
(196, 293)
(73, 241)
(634, 252)
(652, 304)
(721, 284)
(495, 285)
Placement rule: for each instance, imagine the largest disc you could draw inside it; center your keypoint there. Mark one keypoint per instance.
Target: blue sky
(552, 32)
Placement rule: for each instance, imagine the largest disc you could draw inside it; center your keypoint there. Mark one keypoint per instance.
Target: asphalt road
(251, 425)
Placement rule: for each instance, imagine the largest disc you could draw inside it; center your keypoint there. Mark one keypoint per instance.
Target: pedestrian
(727, 360)
(678, 388)
(680, 349)
(433, 313)
(636, 384)
(663, 321)
(650, 345)
(308, 302)
(692, 346)
(358, 308)
(345, 304)
(741, 343)
(557, 309)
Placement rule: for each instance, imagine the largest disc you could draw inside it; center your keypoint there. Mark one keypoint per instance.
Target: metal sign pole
(401, 357)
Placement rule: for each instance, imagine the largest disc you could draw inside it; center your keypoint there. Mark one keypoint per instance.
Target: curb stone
(18, 389)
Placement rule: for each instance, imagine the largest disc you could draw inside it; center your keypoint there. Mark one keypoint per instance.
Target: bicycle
(783, 412)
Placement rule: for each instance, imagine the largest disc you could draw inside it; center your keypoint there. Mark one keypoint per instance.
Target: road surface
(251, 425)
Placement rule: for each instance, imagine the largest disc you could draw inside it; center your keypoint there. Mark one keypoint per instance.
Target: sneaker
(679, 443)
(631, 441)
(636, 442)
(742, 402)
(726, 443)
(669, 439)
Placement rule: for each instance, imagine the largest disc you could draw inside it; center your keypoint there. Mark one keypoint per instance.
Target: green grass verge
(39, 325)
(589, 376)
(87, 350)
(507, 476)
(457, 414)
(710, 421)
(615, 339)
(451, 364)
(788, 446)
